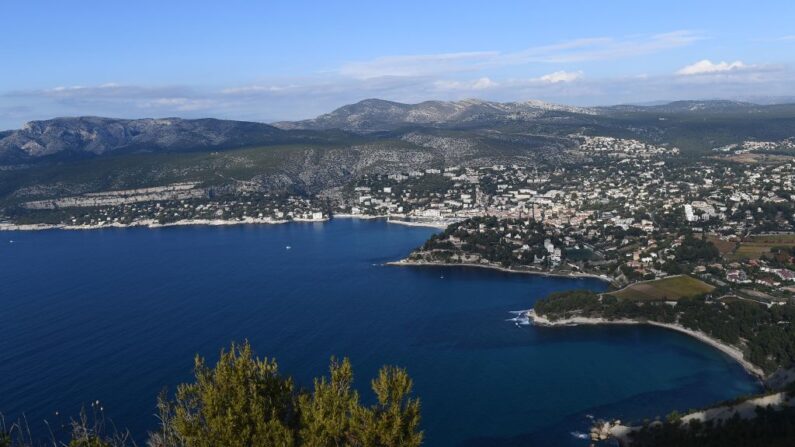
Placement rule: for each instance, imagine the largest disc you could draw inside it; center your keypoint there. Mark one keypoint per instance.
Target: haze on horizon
(270, 61)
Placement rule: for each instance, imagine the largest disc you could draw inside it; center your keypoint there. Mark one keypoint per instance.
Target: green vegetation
(725, 248)
(694, 249)
(770, 428)
(244, 401)
(484, 237)
(148, 169)
(755, 247)
(427, 184)
(671, 288)
(765, 334)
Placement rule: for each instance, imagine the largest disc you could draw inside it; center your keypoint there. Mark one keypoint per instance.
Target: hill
(372, 115)
(68, 156)
(90, 136)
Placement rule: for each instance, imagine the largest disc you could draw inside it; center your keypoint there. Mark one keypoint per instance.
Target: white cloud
(274, 99)
(416, 65)
(577, 50)
(257, 89)
(178, 104)
(706, 66)
(561, 76)
(483, 83)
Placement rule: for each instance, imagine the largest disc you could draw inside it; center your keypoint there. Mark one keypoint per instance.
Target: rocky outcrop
(177, 191)
(87, 136)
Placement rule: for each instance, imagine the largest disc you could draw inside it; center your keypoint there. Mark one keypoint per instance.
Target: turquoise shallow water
(116, 315)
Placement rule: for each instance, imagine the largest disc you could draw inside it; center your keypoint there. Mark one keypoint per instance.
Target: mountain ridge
(372, 115)
(91, 135)
(373, 119)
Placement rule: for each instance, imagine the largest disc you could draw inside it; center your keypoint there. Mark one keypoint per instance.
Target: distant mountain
(71, 156)
(768, 100)
(86, 136)
(706, 106)
(373, 120)
(373, 115)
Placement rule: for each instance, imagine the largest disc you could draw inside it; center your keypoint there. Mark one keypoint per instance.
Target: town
(632, 212)
(620, 209)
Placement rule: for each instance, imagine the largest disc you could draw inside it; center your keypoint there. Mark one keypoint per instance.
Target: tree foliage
(770, 428)
(244, 401)
(765, 334)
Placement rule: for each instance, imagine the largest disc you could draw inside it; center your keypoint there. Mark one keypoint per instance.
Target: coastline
(573, 275)
(410, 223)
(733, 352)
(150, 224)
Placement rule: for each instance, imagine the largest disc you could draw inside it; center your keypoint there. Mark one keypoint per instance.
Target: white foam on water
(520, 318)
(580, 435)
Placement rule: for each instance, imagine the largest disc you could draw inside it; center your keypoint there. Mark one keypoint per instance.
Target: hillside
(68, 156)
(372, 115)
(91, 136)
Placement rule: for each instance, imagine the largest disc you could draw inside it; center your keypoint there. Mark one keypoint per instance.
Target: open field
(726, 248)
(756, 246)
(750, 158)
(666, 289)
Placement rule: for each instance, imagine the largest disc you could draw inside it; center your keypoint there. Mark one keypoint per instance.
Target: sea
(107, 319)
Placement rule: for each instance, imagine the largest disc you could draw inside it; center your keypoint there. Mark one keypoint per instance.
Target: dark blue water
(116, 315)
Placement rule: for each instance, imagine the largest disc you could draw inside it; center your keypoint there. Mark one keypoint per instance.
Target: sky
(285, 60)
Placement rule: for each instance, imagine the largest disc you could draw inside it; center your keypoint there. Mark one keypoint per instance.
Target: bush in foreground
(244, 401)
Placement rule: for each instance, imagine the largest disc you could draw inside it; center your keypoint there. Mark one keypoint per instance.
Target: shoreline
(208, 222)
(441, 225)
(409, 223)
(573, 275)
(733, 352)
(151, 224)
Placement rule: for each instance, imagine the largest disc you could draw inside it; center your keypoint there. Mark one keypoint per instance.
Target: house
(737, 276)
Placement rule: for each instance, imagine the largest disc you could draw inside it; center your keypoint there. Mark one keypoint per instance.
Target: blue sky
(273, 60)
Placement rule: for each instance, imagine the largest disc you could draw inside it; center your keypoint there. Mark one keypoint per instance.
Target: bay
(117, 315)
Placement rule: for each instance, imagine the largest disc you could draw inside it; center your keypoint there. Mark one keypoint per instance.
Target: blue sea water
(117, 315)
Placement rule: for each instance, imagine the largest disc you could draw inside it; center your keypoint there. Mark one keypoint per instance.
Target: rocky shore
(440, 224)
(556, 274)
(150, 224)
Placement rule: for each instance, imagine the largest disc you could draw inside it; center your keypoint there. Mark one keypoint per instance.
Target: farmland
(667, 289)
(757, 246)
